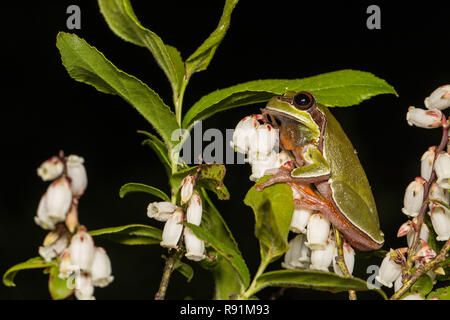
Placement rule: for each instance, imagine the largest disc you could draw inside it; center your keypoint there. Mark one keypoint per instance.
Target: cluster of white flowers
(173, 216)
(314, 247)
(433, 184)
(68, 243)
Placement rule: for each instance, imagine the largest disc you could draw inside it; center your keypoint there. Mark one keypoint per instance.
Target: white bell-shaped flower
(84, 288)
(82, 250)
(413, 199)
(59, 199)
(398, 283)
(77, 174)
(51, 251)
(442, 168)
(172, 230)
(187, 187)
(51, 169)
(194, 210)
(161, 211)
(245, 134)
(42, 218)
(296, 256)
(440, 218)
(195, 248)
(101, 268)
(261, 163)
(349, 258)
(267, 138)
(66, 267)
(439, 98)
(426, 163)
(321, 258)
(438, 193)
(317, 231)
(414, 296)
(422, 118)
(424, 234)
(300, 218)
(283, 158)
(389, 271)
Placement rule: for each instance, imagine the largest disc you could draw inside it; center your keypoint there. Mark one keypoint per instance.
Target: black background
(44, 110)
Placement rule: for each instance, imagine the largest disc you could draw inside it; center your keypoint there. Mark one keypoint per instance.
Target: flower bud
(261, 163)
(245, 134)
(82, 250)
(72, 217)
(442, 168)
(172, 230)
(187, 187)
(59, 199)
(266, 140)
(101, 268)
(425, 254)
(426, 163)
(194, 210)
(161, 211)
(321, 258)
(298, 254)
(317, 232)
(349, 258)
(77, 174)
(51, 169)
(300, 218)
(439, 98)
(422, 118)
(84, 289)
(405, 229)
(440, 219)
(42, 219)
(389, 271)
(413, 199)
(195, 248)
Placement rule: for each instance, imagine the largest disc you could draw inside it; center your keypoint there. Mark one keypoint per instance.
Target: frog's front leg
(315, 170)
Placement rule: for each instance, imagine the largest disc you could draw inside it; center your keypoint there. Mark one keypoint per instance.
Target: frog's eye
(304, 100)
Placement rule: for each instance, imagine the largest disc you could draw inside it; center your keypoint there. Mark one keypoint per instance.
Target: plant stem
(168, 268)
(179, 101)
(341, 262)
(422, 270)
(252, 289)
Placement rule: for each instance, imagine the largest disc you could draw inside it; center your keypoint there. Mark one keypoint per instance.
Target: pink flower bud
(101, 268)
(389, 271)
(59, 199)
(245, 134)
(297, 256)
(442, 168)
(439, 98)
(194, 210)
(82, 250)
(404, 229)
(413, 199)
(187, 187)
(317, 232)
(426, 163)
(195, 248)
(172, 230)
(422, 118)
(77, 174)
(321, 258)
(161, 211)
(51, 169)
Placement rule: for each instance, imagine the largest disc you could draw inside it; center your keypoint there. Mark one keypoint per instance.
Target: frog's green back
(357, 202)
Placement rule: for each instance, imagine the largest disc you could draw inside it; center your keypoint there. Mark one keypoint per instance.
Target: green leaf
(33, 263)
(209, 176)
(334, 89)
(139, 187)
(160, 149)
(86, 64)
(226, 284)
(317, 280)
(423, 285)
(201, 58)
(122, 20)
(224, 250)
(133, 234)
(273, 208)
(441, 294)
(380, 253)
(58, 287)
